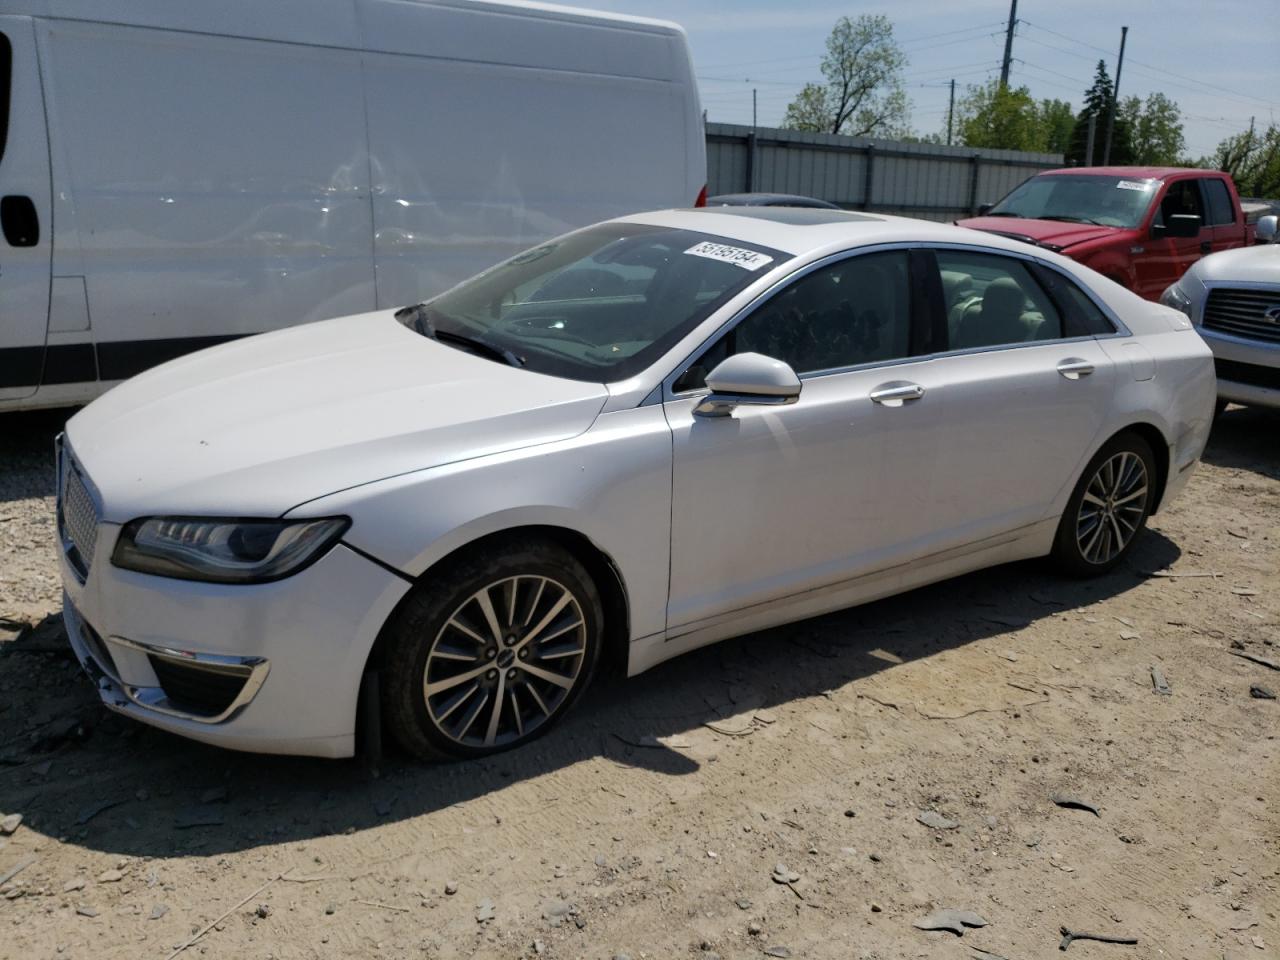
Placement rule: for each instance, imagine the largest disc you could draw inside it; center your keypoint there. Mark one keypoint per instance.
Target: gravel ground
(811, 791)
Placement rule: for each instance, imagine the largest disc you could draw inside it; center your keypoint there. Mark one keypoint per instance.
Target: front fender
(611, 485)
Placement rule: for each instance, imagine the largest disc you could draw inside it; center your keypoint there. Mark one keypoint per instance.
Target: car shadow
(1246, 438)
(78, 772)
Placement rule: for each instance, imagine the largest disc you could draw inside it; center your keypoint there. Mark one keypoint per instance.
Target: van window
(1221, 210)
(6, 81)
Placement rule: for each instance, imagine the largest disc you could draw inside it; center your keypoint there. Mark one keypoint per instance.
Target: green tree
(862, 94)
(1097, 102)
(1252, 159)
(1003, 118)
(1155, 129)
(1057, 121)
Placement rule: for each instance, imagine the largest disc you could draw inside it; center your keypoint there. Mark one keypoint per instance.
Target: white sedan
(625, 443)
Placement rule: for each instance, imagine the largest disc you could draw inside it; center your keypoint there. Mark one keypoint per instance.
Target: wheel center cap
(506, 658)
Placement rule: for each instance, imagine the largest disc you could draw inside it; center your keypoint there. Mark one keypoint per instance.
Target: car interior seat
(1000, 317)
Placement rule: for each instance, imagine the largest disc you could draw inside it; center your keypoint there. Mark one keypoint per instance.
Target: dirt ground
(651, 823)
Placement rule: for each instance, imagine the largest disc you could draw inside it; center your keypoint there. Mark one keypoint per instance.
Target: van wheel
(1107, 509)
(491, 653)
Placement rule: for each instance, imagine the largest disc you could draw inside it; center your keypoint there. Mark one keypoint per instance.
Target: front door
(772, 502)
(1167, 258)
(26, 241)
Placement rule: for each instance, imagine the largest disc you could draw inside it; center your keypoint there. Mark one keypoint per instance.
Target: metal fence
(913, 179)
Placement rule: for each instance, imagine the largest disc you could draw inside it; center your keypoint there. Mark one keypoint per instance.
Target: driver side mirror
(984, 209)
(1265, 230)
(748, 378)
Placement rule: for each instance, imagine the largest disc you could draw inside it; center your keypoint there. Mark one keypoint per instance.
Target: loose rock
(1259, 692)
(954, 920)
(935, 820)
(10, 824)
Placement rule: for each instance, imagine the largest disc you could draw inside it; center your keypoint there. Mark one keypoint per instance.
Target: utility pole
(1115, 96)
(1008, 44)
(753, 108)
(1088, 150)
(951, 106)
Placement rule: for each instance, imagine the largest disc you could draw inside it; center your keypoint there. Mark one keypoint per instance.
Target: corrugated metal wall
(914, 179)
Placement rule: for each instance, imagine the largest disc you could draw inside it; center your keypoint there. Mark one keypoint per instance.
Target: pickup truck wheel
(492, 652)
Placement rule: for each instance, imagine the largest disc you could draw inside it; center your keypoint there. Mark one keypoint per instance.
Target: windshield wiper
(1003, 213)
(1066, 219)
(419, 317)
(480, 346)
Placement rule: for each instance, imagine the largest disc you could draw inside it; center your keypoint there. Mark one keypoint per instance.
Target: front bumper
(268, 668)
(1248, 370)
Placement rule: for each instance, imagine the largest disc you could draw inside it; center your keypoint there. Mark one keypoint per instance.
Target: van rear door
(26, 242)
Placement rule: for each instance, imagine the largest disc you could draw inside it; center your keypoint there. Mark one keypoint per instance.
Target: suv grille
(78, 518)
(1244, 313)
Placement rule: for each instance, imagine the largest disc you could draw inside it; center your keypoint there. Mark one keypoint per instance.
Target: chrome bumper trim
(254, 670)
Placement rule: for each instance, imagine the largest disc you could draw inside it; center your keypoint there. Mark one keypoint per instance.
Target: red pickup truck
(1140, 226)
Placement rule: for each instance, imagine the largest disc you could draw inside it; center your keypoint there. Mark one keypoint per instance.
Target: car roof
(1137, 173)
(800, 231)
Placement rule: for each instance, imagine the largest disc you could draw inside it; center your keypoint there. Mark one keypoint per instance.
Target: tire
(1123, 475)
(442, 637)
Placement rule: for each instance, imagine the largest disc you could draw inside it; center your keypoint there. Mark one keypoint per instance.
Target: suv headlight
(224, 551)
(1174, 297)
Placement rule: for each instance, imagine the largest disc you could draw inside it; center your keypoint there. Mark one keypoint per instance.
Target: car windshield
(1080, 198)
(600, 304)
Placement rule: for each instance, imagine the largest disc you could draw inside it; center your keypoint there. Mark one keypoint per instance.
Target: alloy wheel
(505, 661)
(1112, 508)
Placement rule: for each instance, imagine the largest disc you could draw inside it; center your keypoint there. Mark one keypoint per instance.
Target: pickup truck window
(1183, 197)
(1221, 210)
(1080, 198)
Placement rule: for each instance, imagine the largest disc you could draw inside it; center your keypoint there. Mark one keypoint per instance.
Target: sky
(1220, 61)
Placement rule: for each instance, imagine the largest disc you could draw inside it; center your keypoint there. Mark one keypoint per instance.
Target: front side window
(598, 305)
(1080, 198)
(852, 312)
(994, 301)
(1183, 197)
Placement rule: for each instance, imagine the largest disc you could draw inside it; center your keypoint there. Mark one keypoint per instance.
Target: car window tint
(1183, 196)
(1221, 210)
(852, 312)
(993, 301)
(1081, 317)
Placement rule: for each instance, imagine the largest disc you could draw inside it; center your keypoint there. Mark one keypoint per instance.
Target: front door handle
(897, 393)
(1073, 368)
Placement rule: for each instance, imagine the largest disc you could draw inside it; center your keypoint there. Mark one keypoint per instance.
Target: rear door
(26, 244)
(1019, 399)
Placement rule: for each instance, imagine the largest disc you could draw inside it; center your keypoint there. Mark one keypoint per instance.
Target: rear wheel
(1108, 508)
(493, 652)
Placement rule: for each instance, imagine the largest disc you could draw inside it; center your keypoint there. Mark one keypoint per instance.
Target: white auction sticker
(1133, 185)
(739, 257)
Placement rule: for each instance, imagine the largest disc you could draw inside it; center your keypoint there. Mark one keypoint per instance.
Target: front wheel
(490, 653)
(1108, 508)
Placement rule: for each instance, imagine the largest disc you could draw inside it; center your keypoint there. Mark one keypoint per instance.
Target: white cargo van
(176, 173)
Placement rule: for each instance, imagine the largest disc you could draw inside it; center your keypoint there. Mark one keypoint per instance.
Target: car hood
(1260, 264)
(1056, 234)
(261, 425)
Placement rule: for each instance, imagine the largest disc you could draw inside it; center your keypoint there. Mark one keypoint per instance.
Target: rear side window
(994, 301)
(6, 80)
(1221, 210)
(1081, 317)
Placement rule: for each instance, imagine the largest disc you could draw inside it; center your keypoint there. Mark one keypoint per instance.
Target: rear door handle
(897, 393)
(1073, 368)
(1206, 246)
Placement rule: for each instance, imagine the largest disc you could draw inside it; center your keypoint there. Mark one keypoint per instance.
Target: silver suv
(1233, 298)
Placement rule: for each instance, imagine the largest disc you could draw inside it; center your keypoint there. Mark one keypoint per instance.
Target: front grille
(1250, 313)
(78, 518)
(207, 690)
(1248, 373)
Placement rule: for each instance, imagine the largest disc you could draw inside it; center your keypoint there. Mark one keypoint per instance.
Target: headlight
(224, 551)
(1174, 297)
